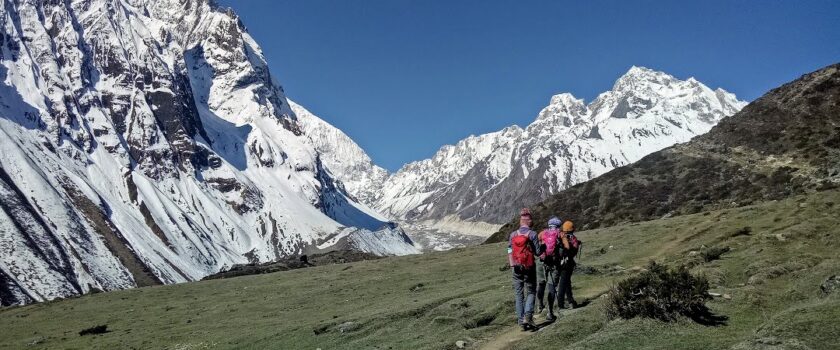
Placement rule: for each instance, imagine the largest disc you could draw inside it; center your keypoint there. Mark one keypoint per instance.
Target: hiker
(547, 265)
(571, 246)
(521, 251)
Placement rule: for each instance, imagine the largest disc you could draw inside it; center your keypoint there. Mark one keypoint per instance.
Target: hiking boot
(551, 318)
(529, 323)
(574, 305)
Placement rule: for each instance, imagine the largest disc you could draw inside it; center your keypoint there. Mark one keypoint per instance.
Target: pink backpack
(550, 238)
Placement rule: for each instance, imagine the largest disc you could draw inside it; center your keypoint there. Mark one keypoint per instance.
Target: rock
(781, 237)
(460, 344)
(693, 253)
(348, 326)
(586, 270)
(831, 285)
(727, 297)
(714, 294)
(417, 287)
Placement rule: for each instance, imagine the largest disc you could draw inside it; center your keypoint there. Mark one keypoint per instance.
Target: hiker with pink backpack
(548, 272)
(522, 249)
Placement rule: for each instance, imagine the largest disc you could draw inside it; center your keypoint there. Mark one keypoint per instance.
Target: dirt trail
(512, 335)
(505, 339)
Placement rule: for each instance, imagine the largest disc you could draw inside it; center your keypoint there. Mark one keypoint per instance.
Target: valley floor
(781, 252)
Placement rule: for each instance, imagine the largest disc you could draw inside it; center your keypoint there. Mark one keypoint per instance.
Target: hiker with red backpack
(522, 249)
(548, 265)
(571, 247)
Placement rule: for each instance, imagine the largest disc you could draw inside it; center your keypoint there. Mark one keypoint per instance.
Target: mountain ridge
(784, 143)
(463, 179)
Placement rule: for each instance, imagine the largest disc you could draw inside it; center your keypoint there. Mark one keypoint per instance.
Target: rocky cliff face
(486, 178)
(146, 142)
(785, 143)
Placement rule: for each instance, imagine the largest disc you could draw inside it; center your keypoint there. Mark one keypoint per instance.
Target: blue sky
(404, 77)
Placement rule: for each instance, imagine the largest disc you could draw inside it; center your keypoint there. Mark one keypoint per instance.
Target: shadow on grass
(707, 318)
(583, 303)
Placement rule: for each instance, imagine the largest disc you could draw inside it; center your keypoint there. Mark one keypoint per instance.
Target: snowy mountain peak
(640, 77)
(486, 177)
(565, 99)
(563, 111)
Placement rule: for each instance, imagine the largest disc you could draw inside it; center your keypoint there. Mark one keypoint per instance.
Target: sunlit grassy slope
(773, 274)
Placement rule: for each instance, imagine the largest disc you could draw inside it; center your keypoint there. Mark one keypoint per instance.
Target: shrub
(661, 293)
(714, 253)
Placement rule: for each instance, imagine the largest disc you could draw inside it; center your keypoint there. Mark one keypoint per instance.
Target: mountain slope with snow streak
(146, 142)
(488, 177)
(343, 157)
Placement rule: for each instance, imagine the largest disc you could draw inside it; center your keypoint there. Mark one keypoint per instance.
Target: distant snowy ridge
(476, 184)
(146, 142)
(485, 178)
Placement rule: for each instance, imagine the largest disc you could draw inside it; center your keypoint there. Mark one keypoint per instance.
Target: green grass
(772, 271)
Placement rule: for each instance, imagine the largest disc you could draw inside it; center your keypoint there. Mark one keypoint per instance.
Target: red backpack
(550, 238)
(521, 249)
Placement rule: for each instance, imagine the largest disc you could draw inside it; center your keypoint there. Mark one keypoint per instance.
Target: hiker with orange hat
(571, 247)
(522, 249)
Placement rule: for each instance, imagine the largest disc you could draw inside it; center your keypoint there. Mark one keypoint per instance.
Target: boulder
(347, 327)
(831, 285)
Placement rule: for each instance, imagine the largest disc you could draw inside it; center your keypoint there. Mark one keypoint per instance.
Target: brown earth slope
(786, 142)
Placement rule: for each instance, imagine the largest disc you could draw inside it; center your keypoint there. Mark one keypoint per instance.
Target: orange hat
(568, 226)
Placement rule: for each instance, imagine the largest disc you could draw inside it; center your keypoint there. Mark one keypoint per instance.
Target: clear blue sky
(404, 77)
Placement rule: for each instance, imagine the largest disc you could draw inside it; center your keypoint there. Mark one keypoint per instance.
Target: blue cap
(554, 221)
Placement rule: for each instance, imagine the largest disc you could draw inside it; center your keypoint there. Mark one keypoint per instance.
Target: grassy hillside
(787, 142)
(780, 254)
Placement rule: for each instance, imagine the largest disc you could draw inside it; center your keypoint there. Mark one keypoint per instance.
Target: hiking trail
(510, 336)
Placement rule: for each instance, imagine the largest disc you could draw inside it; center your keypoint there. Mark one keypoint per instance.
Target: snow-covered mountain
(486, 178)
(342, 156)
(146, 142)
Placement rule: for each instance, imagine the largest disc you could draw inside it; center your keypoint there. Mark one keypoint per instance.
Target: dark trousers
(565, 291)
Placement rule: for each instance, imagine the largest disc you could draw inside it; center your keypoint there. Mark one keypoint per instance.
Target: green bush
(663, 294)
